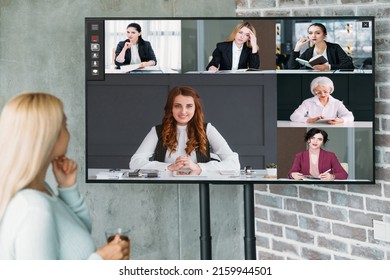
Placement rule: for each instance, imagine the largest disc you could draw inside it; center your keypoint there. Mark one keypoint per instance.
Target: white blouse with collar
(218, 145)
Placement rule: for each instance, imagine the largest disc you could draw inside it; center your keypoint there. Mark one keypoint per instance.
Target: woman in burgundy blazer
(315, 161)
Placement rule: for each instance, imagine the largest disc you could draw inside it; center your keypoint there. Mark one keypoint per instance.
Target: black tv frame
(203, 180)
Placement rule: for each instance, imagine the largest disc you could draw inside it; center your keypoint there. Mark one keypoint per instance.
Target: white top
(135, 59)
(312, 107)
(236, 56)
(218, 145)
(43, 227)
(324, 53)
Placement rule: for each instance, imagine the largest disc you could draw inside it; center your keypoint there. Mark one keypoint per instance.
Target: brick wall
(330, 222)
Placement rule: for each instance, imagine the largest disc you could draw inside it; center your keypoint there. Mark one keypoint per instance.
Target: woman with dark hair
(183, 142)
(239, 51)
(315, 162)
(135, 50)
(337, 58)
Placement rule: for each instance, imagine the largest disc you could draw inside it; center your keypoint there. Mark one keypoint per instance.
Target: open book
(315, 60)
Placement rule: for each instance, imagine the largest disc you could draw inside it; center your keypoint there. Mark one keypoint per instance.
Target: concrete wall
(330, 222)
(42, 49)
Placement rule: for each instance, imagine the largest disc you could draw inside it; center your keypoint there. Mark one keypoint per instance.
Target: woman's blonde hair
(238, 28)
(30, 124)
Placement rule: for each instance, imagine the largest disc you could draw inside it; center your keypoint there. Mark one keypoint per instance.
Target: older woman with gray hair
(322, 106)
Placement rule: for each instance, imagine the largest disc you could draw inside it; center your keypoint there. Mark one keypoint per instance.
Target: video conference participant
(183, 142)
(35, 223)
(240, 51)
(337, 58)
(322, 105)
(135, 50)
(315, 161)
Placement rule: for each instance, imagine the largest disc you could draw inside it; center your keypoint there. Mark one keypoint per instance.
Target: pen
(327, 171)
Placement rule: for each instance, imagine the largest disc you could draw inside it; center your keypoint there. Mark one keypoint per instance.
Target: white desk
(287, 71)
(146, 70)
(211, 177)
(239, 71)
(323, 124)
(308, 71)
(259, 176)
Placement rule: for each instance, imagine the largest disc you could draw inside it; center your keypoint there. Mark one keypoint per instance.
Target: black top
(145, 52)
(337, 58)
(223, 57)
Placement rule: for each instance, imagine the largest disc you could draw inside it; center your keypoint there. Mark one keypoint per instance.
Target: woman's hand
(117, 249)
(185, 162)
(65, 171)
(143, 65)
(297, 176)
(146, 63)
(253, 40)
(326, 176)
(127, 45)
(311, 120)
(300, 44)
(121, 56)
(322, 67)
(336, 121)
(176, 166)
(212, 68)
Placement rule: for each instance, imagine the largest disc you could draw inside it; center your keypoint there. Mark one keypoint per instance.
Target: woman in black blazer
(135, 50)
(337, 58)
(240, 51)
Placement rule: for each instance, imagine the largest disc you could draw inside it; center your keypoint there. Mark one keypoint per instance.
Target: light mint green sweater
(39, 226)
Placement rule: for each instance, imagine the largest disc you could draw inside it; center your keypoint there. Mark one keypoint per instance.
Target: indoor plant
(271, 168)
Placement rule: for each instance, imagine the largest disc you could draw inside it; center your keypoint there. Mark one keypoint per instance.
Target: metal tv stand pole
(249, 220)
(205, 232)
(205, 229)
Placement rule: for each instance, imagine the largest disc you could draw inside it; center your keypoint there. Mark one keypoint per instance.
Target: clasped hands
(184, 163)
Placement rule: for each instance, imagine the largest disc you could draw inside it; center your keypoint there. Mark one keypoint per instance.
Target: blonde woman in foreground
(35, 223)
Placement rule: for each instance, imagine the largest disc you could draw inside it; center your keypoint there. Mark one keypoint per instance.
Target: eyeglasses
(321, 92)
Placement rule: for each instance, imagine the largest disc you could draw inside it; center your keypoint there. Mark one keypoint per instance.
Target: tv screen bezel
(245, 180)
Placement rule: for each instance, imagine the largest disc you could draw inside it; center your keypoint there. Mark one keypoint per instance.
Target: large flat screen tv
(250, 106)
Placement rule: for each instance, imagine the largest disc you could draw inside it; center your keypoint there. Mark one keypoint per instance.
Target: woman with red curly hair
(183, 142)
